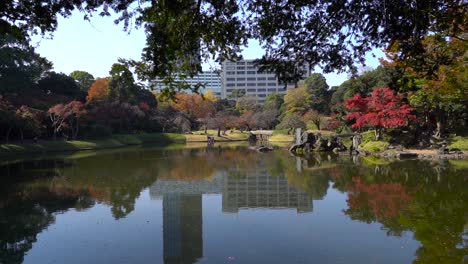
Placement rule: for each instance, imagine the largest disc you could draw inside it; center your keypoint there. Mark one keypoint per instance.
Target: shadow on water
(427, 198)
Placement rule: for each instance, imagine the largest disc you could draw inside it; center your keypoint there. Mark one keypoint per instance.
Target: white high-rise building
(244, 75)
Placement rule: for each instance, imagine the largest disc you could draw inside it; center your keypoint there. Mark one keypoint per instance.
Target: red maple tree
(383, 109)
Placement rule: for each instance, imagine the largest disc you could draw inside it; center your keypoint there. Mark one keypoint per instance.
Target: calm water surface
(231, 205)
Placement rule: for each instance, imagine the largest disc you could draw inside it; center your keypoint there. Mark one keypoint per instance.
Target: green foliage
(20, 65)
(59, 83)
(274, 101)
(246, 104)
(459, 143)
(320, 95)
(122, 85)
(298, 100)
(291, 121)
(382, 76)
(374, 146)
(83, 78)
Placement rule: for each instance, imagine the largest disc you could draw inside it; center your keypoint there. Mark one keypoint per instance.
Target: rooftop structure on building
(245, 75)
(211, 81)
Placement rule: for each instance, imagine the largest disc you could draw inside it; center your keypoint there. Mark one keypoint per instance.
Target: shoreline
(423, 154)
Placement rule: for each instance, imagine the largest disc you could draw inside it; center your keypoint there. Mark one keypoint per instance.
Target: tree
(274, 101)
(298, 100)
(66, 117)
(98, 91)
(122, 86)
(436, 80)
(315, 117)
(147, 97)
(20, 66)
(383, 109)
(290, 122)
(83, 78)
(246, 104)
(333, 34)
(59, 83)
(236, 94)
(265, 119)
(320, 95)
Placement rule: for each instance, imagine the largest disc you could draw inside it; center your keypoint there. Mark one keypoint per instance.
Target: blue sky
(94, 46)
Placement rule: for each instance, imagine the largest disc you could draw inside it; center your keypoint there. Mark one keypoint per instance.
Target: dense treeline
(422, 83)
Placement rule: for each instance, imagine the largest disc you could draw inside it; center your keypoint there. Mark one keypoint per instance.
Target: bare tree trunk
(219, 131)
(8, 135)
(378, 133)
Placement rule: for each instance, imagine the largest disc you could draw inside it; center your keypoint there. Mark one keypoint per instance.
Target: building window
(272, 84)
(272, 90)
(231, 79)
(250, 78)
(241, 84)
(261, 84)
(229, 90)
(241, 79)
(261, 90)
(240, 67)
(250, 90)
(251, 72)
(240, 72)
(261, 78)
(250, 67)
(261, 95)
(272, 78)
(230, 85)
(230, 73)
(251, 84)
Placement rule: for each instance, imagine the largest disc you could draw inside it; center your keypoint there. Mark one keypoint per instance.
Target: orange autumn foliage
(98, 91)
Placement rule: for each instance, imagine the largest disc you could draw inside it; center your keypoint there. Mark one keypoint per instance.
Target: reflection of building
(261, 190)
(182, 228)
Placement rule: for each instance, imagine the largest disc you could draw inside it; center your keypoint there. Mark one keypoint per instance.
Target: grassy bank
(113, 141)
(200, 136)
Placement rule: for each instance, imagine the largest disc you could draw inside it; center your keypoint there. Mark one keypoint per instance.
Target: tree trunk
(8, 135)
(317, 124)
(439, 129)
(378, 133)
(75, 131)
(219, 131)
(440, 123)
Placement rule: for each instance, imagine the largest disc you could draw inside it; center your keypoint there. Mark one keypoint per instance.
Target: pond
(229, 204)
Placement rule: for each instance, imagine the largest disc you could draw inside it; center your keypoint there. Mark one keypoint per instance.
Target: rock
(455, 151)
(443, 150)
(406, 155)
(264, 149)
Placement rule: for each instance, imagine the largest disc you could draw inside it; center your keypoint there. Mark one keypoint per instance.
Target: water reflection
(182, 228)
(426, 198)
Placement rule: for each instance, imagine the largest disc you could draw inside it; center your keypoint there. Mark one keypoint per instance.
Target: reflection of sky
(251, 236)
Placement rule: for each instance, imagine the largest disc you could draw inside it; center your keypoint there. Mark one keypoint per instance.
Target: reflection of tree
(379, 201)
(27, 215)
(425, 197)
